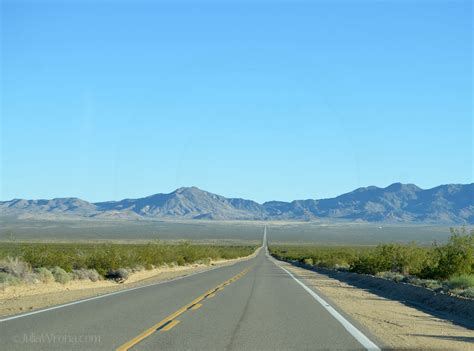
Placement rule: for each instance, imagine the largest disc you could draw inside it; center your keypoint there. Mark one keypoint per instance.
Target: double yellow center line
(169, 322)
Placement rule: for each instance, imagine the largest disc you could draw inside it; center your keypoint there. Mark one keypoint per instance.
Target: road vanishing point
(254, 304)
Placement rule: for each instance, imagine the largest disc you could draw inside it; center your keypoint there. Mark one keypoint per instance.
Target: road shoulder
(398, 325)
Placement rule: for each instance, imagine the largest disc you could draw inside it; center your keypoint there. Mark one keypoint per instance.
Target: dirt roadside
(27, 298)
(397, 325)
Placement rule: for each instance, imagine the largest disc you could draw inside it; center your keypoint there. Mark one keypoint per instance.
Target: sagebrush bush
(30, 278)
(60, 275)
(8, 279)
(85, 274)
(44, 275)
(14, 266)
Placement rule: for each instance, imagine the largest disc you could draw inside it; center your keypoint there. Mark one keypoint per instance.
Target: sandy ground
(25, 298)
(395, 324)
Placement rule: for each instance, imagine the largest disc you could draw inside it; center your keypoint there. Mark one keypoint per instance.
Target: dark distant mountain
(453, 203)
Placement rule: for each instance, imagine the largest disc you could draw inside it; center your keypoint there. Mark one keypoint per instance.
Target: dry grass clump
(13, 271)
(14, 266)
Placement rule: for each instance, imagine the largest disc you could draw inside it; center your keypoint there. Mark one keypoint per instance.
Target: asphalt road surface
(251, 305)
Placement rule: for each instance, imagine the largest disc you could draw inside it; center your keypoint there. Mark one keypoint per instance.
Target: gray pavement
(265, 309)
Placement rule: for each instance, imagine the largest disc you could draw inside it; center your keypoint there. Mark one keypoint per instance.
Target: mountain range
(452, 203)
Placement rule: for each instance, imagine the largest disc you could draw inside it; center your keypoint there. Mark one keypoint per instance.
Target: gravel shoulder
(399, 326)
(27, 298)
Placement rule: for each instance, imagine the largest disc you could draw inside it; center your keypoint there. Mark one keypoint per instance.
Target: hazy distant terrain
(228, 231)
(397, 203)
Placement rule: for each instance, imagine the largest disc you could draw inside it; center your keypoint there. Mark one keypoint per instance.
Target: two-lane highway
(251, 305)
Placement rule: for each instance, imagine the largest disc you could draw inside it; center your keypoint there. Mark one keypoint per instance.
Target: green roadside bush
(454, 258)
(86, 261)
(404, 259)
(463, 281)
(427, 264)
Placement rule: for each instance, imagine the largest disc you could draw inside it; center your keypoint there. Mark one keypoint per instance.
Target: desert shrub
(180, 261)
(454, 258)
(93, 275)
(327, 257)
(439, 262)
(414, 281)
(431, 284)
(30, 278)
(41, 255)
(205, 261)
(14, 266)
(461, 281)
(369, 264)
(138, 268)
(408, 259)
(8, 279)
(60, 275)
(120, 274)
(308, 261)
(397, 277)
(426, 283)
(84, 274)
(469, 292)
(104, 258)
(404, 259)
(44, 275)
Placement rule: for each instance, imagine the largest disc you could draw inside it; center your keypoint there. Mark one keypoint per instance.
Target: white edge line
(107, 295)
(356, 333)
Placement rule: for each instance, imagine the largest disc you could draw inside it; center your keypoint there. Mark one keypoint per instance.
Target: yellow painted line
(196, 306)
(211, 295)
(174, 315)
(169, 325)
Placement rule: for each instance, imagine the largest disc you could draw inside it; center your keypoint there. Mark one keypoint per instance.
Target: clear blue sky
(264, 101)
